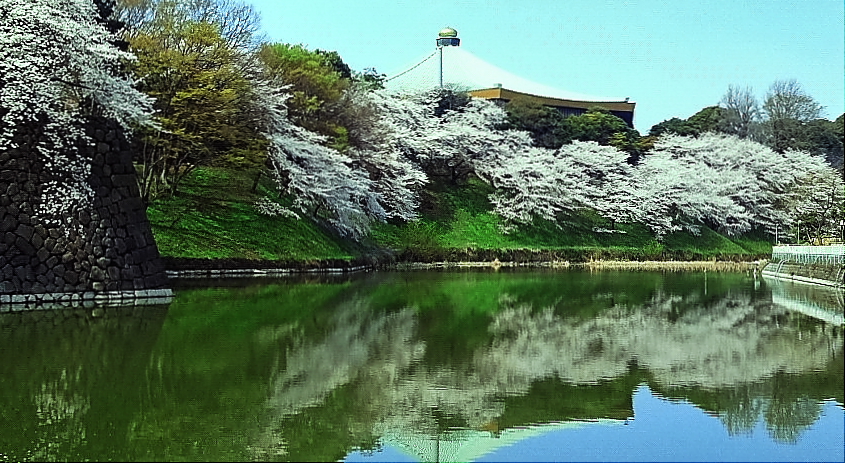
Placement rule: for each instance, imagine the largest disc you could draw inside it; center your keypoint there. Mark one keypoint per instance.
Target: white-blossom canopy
(58, 66)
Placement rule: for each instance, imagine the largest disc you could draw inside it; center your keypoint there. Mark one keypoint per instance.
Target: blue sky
(671, 57)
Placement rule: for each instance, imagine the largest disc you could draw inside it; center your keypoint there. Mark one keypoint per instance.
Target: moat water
(475, 365)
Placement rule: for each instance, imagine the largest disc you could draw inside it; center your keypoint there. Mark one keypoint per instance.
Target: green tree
(632, 143)
(317, 81)
(839, 129)
(706, 120)
(202, 100)
(673, 125)
(370, 78)
(600, 126)
(333, 60)
(546, 125)
(551, 129)
(822, 137)
(788, 108)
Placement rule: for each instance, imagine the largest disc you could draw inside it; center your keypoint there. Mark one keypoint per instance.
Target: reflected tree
(786, 419)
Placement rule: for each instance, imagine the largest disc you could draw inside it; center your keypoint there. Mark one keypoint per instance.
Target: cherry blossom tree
(681, 194)
(606, 175)
(59, 63)
(323, 182)
(731, 184)
(395, 178)
(396, 154)
(550, 184)
(818, 202)
(58, 66)
(453, 143)
(531, 181)
(348, 190)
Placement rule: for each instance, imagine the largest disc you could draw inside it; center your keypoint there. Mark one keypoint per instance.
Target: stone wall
(106, 246)
(821, 274)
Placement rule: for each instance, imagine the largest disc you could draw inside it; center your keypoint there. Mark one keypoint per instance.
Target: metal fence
(831, 255)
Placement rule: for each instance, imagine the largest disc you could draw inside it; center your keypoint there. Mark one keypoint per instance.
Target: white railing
(810, 254)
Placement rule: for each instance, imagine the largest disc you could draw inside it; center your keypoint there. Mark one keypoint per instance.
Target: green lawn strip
(213, 216)
(710, 244)
(755, 243)
(584, 236)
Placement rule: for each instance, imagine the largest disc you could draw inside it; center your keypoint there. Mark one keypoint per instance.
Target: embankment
(594, 259)
(821, 265)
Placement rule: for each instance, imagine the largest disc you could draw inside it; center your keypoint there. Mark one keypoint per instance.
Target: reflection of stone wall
(820, 302)
(82, 382)
(90, 244)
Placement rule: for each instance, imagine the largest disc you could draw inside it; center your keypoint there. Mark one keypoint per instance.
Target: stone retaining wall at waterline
(822, 265)
(104, 251)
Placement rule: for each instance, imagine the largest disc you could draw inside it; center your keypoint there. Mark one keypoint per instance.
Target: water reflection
(819, 302)
(733, 346)
(434, 360)
(63, 375)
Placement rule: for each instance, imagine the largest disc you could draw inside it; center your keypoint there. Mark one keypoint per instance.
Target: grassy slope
(460, 218)
(213, 217)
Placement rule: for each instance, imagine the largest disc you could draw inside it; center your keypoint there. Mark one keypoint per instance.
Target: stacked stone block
(107, 247)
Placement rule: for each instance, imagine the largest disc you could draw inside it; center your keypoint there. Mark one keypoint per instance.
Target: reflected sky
(665, 430)
(661, 430)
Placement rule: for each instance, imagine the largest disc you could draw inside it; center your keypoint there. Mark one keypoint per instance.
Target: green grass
(460, 217)
(755, 243)
(213, 216)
